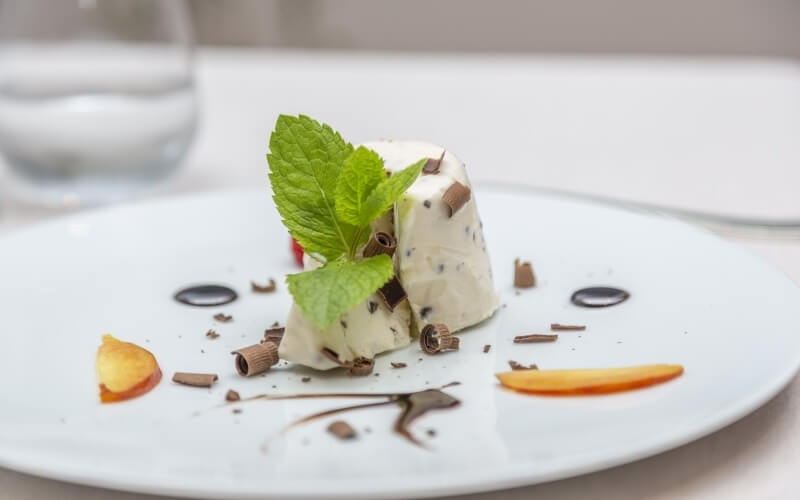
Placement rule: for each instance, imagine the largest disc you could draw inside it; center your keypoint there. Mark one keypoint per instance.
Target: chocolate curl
(518, 366)
(436, 337)
(362, 366)
(432, 165)
(523, 274)
(392, 293)
(534, 338)
(274, 335)
(559, 327)
(379, 243)
(268, 288)
(256, 358)
(456, 196)
(194, 379)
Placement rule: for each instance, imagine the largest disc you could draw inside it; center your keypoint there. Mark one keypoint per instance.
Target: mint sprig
(327, 194)
(326, 293)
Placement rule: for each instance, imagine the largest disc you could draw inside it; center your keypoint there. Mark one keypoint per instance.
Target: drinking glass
(97, 97)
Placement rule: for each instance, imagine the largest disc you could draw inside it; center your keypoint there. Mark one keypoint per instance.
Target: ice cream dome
(392, 238)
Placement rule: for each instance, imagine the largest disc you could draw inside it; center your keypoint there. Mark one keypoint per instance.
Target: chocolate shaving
(487, 347)
(232, 395)
(557, 327)
(436, 337)
(212, 334)
(256, 359)
(517, 366)
(333, 356)
(274, 334)
(533, 338)
(362, 366)
(432, 165)
(379, 243)
(263, 288)
(392, 293)
(398, 365)
(194, 379)
(342, 430)
(305, 379)
(523, 274)
(456, 196)
(222, 317)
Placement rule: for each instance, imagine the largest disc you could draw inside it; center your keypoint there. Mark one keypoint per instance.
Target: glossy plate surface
(696, 300)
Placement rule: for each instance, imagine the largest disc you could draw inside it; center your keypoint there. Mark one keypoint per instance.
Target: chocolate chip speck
(342, 430)
(398, 365)
(408, 253)
(425, 311)
(305, 379)
(427, 203)
(431, 432)
(232, 395)
(440, 268)
(236, 410)
(343, 323)
(372, 307)
(487, 347)
(212, 334)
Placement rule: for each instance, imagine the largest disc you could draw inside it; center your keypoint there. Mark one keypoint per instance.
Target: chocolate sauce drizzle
(599, 296)
(413, 404)
(206, 295)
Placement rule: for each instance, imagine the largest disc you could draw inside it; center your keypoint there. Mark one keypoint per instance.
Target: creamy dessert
(366, 330)
(393, 242)
(443, 263)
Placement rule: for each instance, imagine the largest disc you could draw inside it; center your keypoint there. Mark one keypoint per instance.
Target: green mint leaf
(361, 174)
(383, 196)
(324, 294)
(305, 160)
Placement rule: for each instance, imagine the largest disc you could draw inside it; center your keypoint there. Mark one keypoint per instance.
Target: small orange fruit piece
(124, 370)
(595, 381)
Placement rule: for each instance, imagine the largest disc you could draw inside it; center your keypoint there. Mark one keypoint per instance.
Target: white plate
(729, 318)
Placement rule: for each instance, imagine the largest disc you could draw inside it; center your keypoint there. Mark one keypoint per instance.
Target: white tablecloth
(721, 135)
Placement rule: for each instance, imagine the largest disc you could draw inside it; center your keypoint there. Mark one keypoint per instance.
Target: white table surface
(719, 135)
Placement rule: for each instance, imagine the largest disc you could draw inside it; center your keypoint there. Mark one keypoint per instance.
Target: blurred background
(677, 27)
(692, 105)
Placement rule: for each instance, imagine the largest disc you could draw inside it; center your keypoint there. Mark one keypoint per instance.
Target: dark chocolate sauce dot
(206, 295)
(599, 296)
